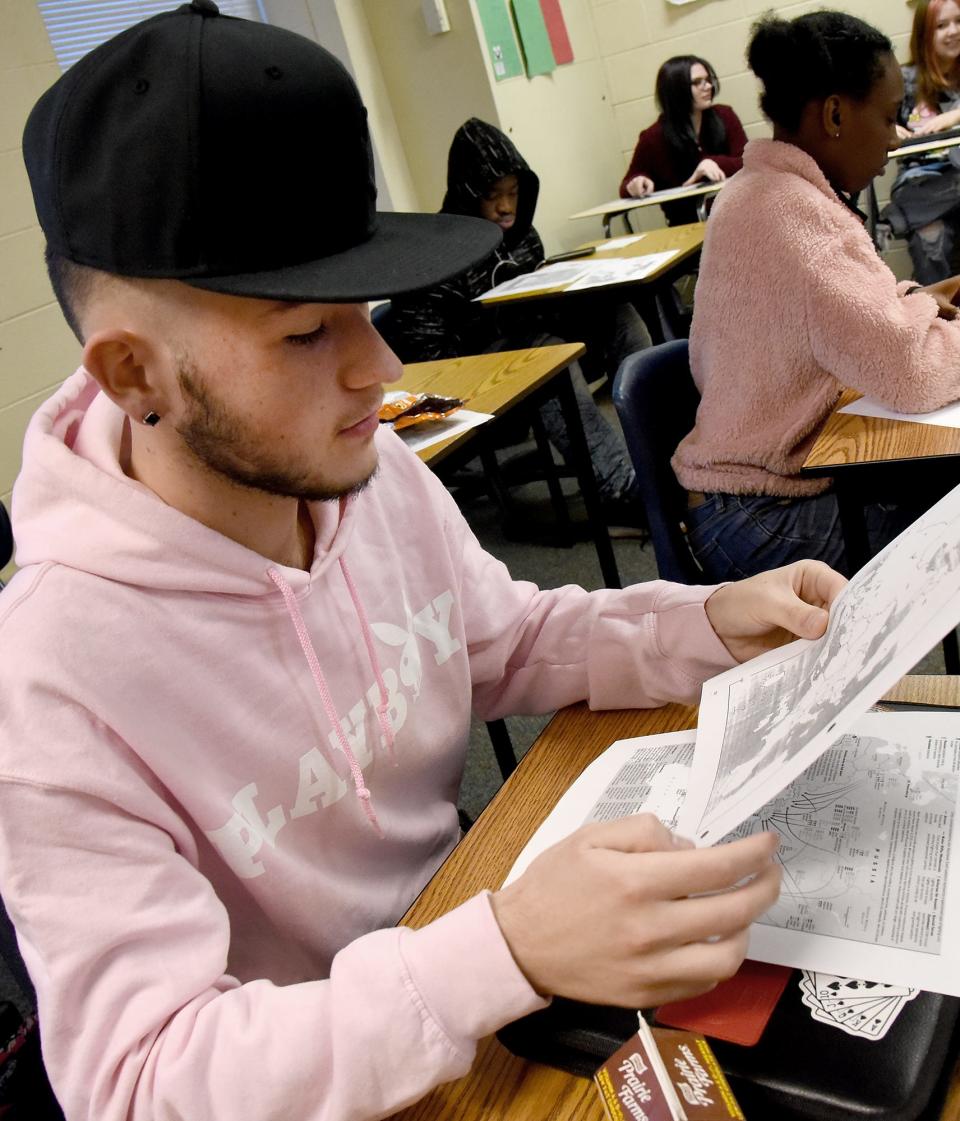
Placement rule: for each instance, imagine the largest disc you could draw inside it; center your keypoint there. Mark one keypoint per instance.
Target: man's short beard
(228, 447)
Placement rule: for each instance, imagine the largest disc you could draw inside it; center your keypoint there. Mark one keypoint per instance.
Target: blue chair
(656, 401)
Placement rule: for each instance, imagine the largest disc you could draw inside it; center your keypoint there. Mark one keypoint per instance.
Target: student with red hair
(926, 195)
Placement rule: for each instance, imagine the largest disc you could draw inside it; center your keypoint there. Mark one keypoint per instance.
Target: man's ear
(831, 116)
(123, 364)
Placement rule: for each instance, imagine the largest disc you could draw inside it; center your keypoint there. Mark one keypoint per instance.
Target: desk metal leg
(648, 308)
(873, 212)
(951, 653)
(557, 499)
(502, 747)
(583, 465)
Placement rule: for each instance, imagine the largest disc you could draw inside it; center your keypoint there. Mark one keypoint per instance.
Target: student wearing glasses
(693, 140)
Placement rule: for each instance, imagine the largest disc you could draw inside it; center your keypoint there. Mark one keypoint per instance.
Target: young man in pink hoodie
(240, 655)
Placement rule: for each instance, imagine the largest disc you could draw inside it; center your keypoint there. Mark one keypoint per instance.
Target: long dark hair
(932, 81)
(811, 57)
(675, 98)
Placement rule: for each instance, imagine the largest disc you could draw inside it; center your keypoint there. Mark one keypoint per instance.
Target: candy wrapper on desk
(401, 409)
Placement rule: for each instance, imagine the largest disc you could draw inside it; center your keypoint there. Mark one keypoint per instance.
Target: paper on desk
(868, 838)
(619, 270)
(947, 417)
(669, 193)
(550, 276)
(619, 242)
(430, 432)
(763, 723)
(647, 773)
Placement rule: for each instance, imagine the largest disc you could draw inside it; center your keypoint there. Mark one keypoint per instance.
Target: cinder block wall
(37, 349)
(636, 36)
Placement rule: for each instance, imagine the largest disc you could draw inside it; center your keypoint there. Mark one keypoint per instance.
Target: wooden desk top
(685, 240)
(850, 441)
(489, 383)
(501, 1087)
(621, 206)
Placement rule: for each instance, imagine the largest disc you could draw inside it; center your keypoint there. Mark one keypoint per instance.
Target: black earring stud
(151, 419)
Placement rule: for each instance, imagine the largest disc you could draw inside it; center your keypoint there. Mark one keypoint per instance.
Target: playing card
(828, 985)
(864, 1009)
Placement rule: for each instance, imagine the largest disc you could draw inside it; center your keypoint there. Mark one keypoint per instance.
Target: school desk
(622, 208)
(499, 383)
(871, 459)
(685, 242)
(500, 1086)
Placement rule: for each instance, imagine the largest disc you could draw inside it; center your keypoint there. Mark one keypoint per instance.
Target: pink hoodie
(201, 900)
(793, 304)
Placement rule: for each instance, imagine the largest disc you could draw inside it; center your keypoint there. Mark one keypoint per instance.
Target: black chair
(656, 401)
(6, 539)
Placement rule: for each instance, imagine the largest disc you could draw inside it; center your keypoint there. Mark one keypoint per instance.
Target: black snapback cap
(231, 155)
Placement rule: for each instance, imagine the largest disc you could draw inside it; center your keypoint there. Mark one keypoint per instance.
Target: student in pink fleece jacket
(794, 304)
(240, 655)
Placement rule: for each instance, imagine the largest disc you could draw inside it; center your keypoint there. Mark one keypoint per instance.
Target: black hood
(480, 154)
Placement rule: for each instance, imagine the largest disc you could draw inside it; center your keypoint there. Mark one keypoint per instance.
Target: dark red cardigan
(656, 159)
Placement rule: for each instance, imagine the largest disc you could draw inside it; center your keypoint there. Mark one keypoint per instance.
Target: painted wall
(37, 349)
(564, 125)
(636, 36)
(434, 83)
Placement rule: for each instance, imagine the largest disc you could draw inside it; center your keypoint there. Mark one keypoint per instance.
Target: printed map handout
(868, 844)
(864, 803)
(762, 723)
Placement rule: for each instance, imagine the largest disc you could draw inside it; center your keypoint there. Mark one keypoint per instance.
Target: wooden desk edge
(562, 355)
(919, 442)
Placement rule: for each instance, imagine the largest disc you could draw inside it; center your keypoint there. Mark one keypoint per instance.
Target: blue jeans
(733, 535)
(925, 207)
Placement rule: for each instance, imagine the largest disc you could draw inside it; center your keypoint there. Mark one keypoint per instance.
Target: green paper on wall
(501, 45)
(534, 37)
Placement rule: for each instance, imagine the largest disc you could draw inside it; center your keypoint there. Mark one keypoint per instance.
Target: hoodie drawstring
(293, 610)
(385, 726)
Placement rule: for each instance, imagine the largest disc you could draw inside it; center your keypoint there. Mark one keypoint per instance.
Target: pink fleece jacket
(206, 910)
(794, 304)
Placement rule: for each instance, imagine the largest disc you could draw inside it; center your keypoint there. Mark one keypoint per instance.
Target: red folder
(737, 1010)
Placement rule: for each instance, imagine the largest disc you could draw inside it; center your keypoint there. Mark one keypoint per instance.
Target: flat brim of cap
(407, 252)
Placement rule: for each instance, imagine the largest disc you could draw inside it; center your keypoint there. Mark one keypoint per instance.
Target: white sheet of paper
(669, 193)
(868, 832)
(619, 242)
(947, 417)
(649, 773)
(620, 270)
(420, 436)
(764, 722)
(550, 276)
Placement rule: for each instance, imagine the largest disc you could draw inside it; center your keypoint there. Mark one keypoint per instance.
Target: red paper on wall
(557, 30)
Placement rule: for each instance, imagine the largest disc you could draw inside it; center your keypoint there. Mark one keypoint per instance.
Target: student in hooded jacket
(239, 657)
(794, 304)
(488, 178)
(693, 141)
